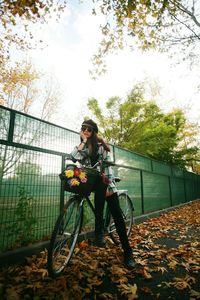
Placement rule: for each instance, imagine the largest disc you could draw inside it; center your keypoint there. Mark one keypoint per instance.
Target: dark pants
(113, 204)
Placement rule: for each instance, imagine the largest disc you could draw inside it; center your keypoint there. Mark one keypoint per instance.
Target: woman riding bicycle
(91, 150)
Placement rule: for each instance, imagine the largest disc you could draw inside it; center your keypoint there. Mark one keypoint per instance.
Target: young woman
(90, 151)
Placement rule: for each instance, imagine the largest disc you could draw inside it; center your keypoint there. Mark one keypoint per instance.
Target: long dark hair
(94, 148)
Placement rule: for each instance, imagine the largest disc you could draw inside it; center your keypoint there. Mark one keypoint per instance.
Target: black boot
(99, 201)
(113, 203)
(99, 240)
(128, 260)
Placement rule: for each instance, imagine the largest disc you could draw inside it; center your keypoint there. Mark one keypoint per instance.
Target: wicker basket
(79, 180)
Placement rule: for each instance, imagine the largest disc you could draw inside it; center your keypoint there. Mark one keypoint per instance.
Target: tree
(20, 90)
(141, 126)
(27, 168)
(148, 24)
(15, 18)
(16, 87)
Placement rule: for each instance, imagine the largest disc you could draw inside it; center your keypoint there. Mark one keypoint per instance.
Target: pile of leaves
(166, 250)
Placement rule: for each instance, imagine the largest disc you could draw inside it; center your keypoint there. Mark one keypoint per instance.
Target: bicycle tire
(64, 236)
(126, 206)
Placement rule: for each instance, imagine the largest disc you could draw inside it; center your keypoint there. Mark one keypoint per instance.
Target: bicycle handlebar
(99, 163)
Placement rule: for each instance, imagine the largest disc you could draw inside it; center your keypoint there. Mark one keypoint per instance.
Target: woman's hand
(82, 135)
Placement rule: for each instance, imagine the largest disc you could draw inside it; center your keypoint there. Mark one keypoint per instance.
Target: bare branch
(186, 11)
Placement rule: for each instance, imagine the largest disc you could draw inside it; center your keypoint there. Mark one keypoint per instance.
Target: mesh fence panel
(36, 174)
(130, 159)
(178, 191)
(161, 168)
(190, 190)
(156, 192)
(30, 131)
(4, 123)
(131, 181)
(176, 172)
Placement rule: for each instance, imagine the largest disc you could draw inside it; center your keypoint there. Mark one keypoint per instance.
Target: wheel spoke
(127, 213)
(64, 237)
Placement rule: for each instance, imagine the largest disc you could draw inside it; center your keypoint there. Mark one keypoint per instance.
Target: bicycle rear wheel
(64, 236)
(126, 206)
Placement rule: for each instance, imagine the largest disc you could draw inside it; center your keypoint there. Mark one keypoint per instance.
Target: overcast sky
(71, 43)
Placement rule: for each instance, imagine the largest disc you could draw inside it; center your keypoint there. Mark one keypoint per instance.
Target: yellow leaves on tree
(18, 87)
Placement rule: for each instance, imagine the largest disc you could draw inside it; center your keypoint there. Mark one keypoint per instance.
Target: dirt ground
(165, 248)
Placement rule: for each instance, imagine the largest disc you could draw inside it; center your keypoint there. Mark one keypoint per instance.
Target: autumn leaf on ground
(76, 250)
(146, 274)
(61, 282)
(43, 272)
(83, 244)
(142, 262)
(117, 270)
(11, 294)
(146, 290)
(183, 283)
(35, 286)
(94, 281)
(129, 290)
(106, 296)
(162, 269)
(194, 294)
(172, 264)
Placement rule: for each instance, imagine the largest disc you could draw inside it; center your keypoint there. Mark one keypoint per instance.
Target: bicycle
(69, 224)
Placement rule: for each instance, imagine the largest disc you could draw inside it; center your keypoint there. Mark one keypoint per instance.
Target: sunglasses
(84, 128)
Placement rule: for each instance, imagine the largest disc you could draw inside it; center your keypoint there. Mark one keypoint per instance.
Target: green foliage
(24, 221)
(141, 126)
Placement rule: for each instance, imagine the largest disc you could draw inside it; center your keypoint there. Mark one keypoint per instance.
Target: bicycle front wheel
(64, 236)
(126, 206)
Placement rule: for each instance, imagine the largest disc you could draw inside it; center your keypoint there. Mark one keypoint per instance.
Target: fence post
(170, 191)
(62, 192)
(184, 185)
(11, 126)
(142, 191)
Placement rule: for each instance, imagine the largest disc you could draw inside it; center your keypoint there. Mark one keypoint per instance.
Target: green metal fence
(31, 157)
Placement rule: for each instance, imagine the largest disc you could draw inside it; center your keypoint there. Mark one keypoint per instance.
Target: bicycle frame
(106, 209)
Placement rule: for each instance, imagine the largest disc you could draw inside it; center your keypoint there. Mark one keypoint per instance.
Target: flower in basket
(83, 180)
(74, 182)
(83, 177)
(76, 172)
(69, 173)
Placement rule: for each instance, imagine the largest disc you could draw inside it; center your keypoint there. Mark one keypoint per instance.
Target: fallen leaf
(162, 269)
(146, 274)
(129, 290)
(146, 290)
(83, 244)
(195, 294)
